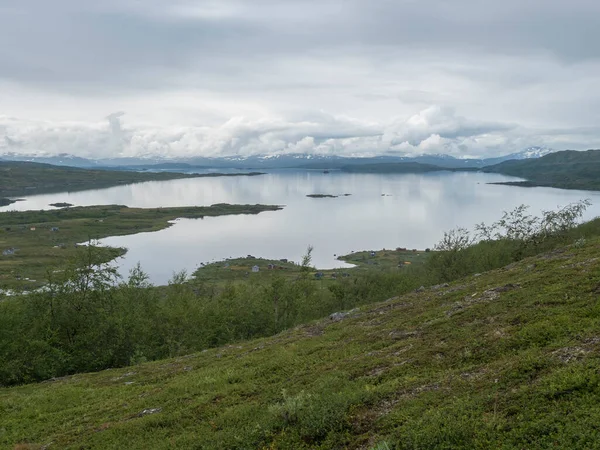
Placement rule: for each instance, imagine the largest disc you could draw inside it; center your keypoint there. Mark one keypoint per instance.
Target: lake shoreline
(25, 178)
(34, 241)
(384, 211)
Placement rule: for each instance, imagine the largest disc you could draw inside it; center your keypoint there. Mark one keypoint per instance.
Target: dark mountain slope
(567, 169)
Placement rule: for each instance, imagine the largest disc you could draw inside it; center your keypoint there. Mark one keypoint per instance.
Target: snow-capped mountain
(272, 161)
(530, 153)
(62, 159)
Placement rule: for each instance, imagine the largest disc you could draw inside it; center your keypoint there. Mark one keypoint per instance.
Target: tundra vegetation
(47, 240)
(492, 342)
(19, 178)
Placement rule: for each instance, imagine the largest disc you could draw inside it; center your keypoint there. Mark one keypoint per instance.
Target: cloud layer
(208, 77)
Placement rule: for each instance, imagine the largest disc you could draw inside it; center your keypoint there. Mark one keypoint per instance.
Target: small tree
(455, 240)
(557, 223)
(307, 259)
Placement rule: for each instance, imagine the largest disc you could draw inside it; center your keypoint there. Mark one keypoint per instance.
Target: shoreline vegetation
(491, 343)
(238, 270)
(38, 240)
(25, 178)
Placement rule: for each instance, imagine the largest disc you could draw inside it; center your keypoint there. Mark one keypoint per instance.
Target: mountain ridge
(277, 160)
(566, 169)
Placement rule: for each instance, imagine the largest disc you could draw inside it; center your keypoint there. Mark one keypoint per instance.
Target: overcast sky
(349, 77)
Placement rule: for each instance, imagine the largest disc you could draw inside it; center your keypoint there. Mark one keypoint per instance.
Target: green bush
(88, 320)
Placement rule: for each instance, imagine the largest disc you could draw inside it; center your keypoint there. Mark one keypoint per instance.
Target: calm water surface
(384, 211)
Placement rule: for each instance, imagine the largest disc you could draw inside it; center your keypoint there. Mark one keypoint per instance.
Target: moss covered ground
(505, 359)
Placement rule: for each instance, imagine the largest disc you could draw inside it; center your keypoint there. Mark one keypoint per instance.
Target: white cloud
(432, 130)
(468, 77)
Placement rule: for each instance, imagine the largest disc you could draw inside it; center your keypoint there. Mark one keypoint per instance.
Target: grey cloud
(244, 76)
(433, 130)
(69, 41)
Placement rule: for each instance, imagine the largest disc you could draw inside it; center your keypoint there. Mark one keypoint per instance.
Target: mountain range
(275, 161)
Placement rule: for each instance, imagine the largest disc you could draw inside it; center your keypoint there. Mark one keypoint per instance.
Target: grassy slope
(25, 178)
(567, 170)
(36, 249)
(508, 359)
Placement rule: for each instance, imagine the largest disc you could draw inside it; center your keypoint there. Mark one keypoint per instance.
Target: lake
(383, 211)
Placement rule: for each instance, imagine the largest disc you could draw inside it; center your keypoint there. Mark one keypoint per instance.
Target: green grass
(26, 178)
(44, 249)
(394, 260)
(507, 359)
(239, 270)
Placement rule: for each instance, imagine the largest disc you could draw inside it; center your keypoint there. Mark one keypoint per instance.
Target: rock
(336, 317)
(148, 412)
(421, 289)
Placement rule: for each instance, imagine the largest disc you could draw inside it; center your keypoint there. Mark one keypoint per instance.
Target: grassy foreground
(506, 359)
(47, 239)
(26, 178)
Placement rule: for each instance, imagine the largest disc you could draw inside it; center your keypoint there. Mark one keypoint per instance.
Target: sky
(182, 78)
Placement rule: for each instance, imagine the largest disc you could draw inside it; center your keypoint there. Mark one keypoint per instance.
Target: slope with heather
(505, 359)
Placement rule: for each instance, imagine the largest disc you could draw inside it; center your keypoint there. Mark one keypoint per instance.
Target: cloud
(430, 131)
(332, 76)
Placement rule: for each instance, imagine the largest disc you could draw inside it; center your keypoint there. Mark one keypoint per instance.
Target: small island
(61, 205)
(7, 201)
(327, 195)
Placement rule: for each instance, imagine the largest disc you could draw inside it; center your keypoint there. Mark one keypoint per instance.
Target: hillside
(27, 178)
(567, 170)
(506, 359)
(271, 161)
(401, 167)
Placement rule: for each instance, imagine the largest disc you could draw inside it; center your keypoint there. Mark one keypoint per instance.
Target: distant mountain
(567, 169)
(276, 161)
(20, 178)
(63, 159)
(528, 153)
(402, 167)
